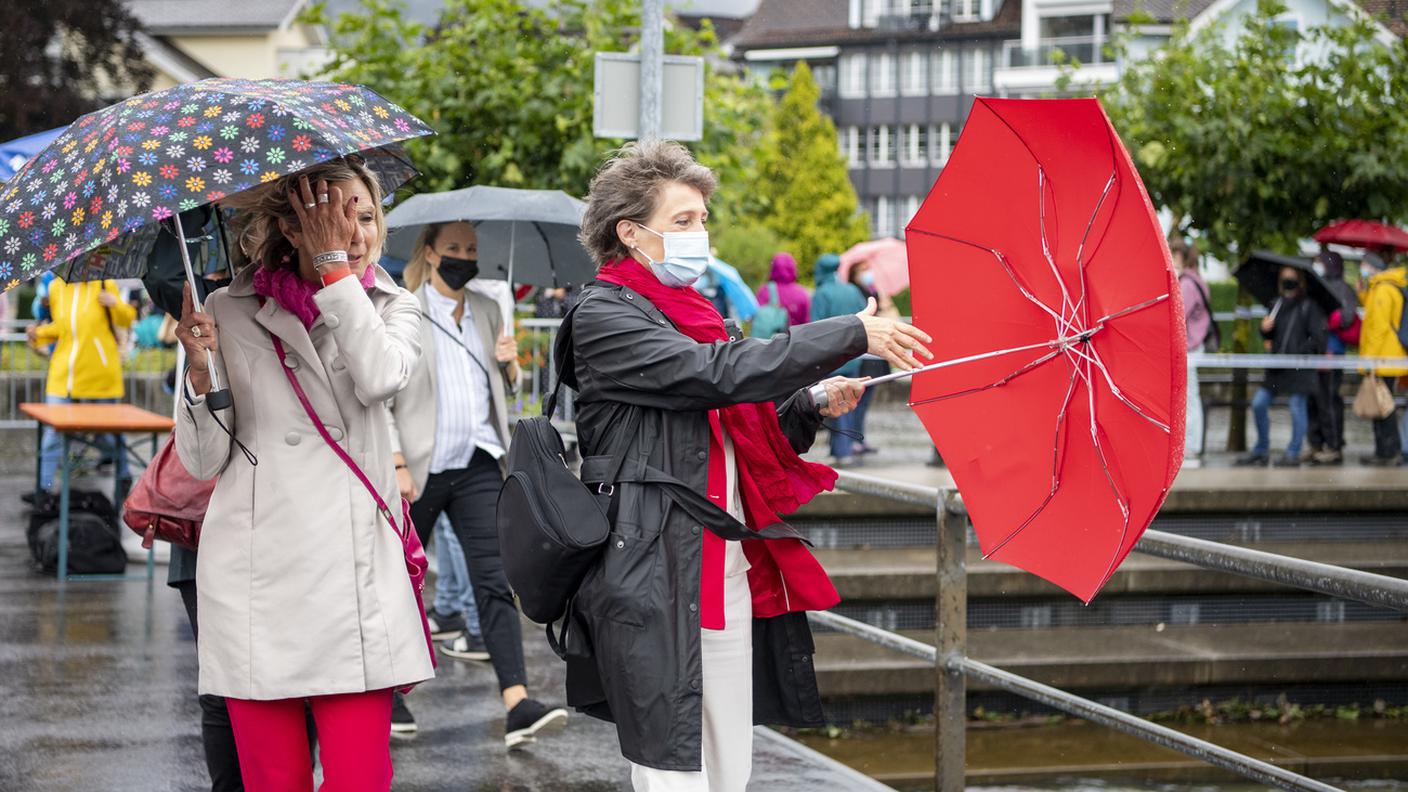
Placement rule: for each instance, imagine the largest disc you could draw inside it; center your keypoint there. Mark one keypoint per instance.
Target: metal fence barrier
(24, 378)
(952, 666)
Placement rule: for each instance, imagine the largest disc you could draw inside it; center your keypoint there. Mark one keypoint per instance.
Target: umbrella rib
(1080, 251)
(1055, 468)
(999, 383)
(1094, 358)
(1120, 499)
(1131, 309)
(1066, 324)
(1001, 259)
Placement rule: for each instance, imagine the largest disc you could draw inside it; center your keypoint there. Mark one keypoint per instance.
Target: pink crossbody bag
(416, 563)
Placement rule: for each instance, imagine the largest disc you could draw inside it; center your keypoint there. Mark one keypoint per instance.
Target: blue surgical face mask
(867, 279)
(686, 257)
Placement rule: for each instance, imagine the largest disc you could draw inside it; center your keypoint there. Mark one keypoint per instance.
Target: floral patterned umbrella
(142, 161)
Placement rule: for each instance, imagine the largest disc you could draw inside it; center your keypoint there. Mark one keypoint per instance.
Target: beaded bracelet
(330, 257)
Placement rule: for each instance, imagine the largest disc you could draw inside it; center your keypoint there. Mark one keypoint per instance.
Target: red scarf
(772, 479)
(294, 294)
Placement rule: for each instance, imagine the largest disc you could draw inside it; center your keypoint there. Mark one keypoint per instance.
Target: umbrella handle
(218, 398)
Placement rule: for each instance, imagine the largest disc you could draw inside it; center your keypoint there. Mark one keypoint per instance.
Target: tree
(1255, 141)
(507, 85)
(58, 57)
(803, 192)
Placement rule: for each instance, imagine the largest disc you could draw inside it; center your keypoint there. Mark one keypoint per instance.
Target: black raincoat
(1300, 329)
(633, 633)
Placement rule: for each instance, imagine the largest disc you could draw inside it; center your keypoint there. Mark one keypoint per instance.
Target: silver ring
(195, 331)
(322, 197)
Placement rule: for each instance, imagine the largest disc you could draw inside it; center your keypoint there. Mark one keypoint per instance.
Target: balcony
(1035, 71)
(1088, 50)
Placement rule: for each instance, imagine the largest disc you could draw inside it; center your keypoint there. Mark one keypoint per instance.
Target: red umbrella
(1364, 234)
(1038, 255)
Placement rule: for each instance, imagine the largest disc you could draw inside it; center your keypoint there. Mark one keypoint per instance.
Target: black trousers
(1327, 411)
(1386, 442)
(221, 759)
(469, 496)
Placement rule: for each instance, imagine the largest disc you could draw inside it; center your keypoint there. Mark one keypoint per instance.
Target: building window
(945, 76)
(912, 146)
(940, 143)
(853, 76)
(975, 71)
(871, 11)
(914, 76)
(910, 209)
(884, 217)
(882, 147)
(967, 10)
(882, 75)
(850, 145)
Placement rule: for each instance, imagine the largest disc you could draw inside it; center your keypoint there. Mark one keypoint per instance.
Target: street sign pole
(652, 55)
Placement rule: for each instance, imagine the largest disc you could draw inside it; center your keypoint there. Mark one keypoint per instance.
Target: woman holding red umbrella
(686, 634)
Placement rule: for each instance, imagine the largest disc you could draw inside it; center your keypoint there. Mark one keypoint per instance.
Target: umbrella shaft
(181, 244)
(818, 391)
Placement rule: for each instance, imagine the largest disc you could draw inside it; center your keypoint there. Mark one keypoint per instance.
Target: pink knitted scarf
(294, 294)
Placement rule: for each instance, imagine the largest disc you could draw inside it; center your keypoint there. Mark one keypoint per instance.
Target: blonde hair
(627, 188)
(260, 210)
(417, 270)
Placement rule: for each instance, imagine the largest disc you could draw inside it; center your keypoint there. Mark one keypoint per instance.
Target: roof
(164, 17)
(724, 27)
(1392, 13)
(796, 23)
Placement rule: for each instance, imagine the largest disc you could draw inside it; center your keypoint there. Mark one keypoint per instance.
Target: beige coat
(413, 410)
(302, 586)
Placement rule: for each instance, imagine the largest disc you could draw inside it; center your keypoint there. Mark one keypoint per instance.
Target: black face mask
(1290, 285)
(456, 272)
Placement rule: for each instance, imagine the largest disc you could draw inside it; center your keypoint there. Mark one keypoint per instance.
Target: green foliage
(507, 85)
(1257, 142)
(746, 245)
(803, 191)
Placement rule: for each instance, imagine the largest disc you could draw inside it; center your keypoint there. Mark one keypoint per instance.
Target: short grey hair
(627, 188)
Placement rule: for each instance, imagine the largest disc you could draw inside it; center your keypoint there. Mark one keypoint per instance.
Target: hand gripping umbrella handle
(218, 398)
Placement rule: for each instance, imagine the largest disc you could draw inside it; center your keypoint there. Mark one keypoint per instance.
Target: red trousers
(354, 733)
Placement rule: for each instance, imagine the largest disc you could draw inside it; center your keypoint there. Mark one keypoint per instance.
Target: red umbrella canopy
(1364, 234)
(1039, 242)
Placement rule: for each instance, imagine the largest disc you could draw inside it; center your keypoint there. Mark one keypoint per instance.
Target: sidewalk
(98, 692)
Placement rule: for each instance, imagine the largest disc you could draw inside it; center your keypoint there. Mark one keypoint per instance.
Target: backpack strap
(774, 299)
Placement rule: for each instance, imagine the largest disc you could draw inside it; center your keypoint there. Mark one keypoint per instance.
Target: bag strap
(564, 336)
(327, 438)
(773, 298)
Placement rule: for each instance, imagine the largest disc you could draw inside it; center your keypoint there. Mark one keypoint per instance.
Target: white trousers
(727, 659)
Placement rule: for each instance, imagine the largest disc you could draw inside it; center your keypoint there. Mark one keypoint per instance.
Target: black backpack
(552, 527)
(94, 542)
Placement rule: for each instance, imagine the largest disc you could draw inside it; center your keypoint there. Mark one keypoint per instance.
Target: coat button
(694, 685)
(701, 455)
(335, 432)
(293, 438)
(338, 364)
(331, 321)
(291, 362)
(694, 529)
(693, 607)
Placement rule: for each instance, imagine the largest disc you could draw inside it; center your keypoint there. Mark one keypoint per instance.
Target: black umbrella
(1261, 276)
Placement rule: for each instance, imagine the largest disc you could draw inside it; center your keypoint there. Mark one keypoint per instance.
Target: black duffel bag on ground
(94, 542)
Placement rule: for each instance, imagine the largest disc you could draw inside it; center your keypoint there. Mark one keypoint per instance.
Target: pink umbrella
(887, 258)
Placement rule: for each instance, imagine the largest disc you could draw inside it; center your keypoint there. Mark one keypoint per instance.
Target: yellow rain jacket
(1383, 310)
(86, 363)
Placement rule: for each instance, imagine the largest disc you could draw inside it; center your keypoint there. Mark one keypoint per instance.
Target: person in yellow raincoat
(85, 365)
(1382, 294)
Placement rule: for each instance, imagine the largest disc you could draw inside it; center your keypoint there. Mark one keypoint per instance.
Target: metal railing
(24, 377)
(1088, 50)
(952, 666)
(537, 337)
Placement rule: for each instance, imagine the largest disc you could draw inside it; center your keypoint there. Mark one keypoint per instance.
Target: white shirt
(462, 396)
(735, 562)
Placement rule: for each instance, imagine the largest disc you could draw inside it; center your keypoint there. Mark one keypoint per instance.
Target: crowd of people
(1368, 317)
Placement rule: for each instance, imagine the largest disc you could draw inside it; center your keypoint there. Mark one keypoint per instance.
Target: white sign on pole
(616, 105)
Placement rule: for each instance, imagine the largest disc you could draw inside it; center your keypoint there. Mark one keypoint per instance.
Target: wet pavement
(98, 692)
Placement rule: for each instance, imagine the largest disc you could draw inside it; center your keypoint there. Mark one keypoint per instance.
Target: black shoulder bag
(552, 527)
